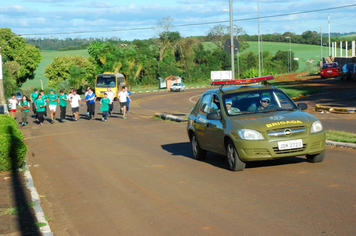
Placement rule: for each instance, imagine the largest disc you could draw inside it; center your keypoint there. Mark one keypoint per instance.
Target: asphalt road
(137, 177)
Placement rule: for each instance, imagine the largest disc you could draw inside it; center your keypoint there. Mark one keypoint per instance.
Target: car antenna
(220, 88)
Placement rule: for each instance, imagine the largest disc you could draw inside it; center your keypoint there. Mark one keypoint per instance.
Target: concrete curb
(349, 110)
(341, 144)
(170, 117)
(165, 90)
(45, 230)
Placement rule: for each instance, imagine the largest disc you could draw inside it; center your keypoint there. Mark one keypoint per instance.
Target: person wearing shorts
(104, 106)
(52, 101)
(75, 102)
(122, 97)
(12, 105)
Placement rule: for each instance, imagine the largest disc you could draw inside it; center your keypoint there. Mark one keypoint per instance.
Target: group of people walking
(40, 101)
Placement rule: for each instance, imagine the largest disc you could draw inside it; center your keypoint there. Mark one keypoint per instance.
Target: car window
(215, 104)
(18, 94)
(205, 104)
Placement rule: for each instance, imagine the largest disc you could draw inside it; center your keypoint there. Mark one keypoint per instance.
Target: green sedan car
(253, 123)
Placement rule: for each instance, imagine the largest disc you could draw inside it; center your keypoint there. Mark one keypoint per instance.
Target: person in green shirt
(104, 107)
(33, 97)
(45, 98)
(63, 105)
(41, 105)
(52, 103)
(25, 108)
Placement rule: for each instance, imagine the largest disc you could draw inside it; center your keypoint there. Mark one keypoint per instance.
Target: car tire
(316, 158)
(198, 152)
(233, 159)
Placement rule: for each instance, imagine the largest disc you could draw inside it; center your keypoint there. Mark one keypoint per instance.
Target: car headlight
(250, 134)
(316, 127)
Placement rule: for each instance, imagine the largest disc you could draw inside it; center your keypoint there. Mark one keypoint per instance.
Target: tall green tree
(15, 49)
(77, 69)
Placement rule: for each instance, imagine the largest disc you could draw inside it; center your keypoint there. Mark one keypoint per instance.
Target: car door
(200, 121)
(214, 128)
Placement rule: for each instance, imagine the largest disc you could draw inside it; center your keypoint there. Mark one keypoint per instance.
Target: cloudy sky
(134, 19)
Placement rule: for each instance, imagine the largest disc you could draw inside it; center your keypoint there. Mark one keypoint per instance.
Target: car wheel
(233, 159)
(316, 158)
(198, 152)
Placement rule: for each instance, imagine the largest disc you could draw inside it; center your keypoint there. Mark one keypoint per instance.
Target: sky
(137, 19)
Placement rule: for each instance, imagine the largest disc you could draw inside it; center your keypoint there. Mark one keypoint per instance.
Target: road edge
(40, 216)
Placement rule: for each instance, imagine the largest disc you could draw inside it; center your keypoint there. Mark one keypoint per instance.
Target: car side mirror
(302, 106)
(213, 116)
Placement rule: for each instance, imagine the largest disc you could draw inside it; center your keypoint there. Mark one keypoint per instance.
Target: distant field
(47, 57)
(302, 51)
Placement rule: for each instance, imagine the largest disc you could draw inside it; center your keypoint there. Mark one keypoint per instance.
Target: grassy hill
(47, 57)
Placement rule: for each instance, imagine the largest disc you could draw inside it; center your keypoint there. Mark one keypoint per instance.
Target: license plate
(285, 145)
(329, 71)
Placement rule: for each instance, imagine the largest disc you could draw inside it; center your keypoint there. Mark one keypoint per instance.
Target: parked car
(253, 123)
(18, 96)
(178, 87)
(348, 72)
(329, 70)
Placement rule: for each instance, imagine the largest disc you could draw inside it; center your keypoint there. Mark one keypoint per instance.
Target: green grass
(304, 52)
(16, 210)
(296, 89)
(340, 136)
(47, 57)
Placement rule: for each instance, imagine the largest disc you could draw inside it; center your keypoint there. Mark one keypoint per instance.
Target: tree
(220, 33)
(77, 69)
(15, 49)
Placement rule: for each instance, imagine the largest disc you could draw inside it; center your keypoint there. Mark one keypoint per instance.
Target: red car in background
(329, 70)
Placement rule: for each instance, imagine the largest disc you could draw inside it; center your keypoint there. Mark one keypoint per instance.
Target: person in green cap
(63, 105)
(53, 102)
(41, 105)
(104, 107)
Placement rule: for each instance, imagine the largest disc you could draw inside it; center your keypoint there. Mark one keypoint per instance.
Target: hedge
(12, 147)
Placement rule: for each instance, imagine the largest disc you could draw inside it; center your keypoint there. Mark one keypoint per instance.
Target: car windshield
(176, 84)
(257, 101)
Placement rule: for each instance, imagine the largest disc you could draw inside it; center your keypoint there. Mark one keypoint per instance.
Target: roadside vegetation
(12, 147)
(340, 136)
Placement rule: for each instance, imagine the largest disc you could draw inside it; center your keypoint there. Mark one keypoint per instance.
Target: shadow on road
(184, 149)
(25, 213)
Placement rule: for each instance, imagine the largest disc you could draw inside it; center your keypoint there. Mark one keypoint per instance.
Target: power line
(194, 24)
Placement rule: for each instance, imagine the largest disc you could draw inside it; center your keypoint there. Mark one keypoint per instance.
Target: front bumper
(268, 149)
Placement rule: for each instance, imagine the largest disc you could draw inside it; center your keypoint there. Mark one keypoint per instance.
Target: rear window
(330, 65)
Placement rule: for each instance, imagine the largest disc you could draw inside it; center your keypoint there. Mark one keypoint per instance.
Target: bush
(12, 147)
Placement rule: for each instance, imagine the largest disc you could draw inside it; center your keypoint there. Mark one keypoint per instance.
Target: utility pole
(258, 39)
(2, 90)
(321, 45)
(329, 35)
(232, 47)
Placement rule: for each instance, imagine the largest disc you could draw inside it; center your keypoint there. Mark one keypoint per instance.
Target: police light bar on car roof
(242, 81)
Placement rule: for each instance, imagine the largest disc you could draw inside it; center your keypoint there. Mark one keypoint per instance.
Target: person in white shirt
(111, 96)
(75, 101)
(122, 96)
(13, 104)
